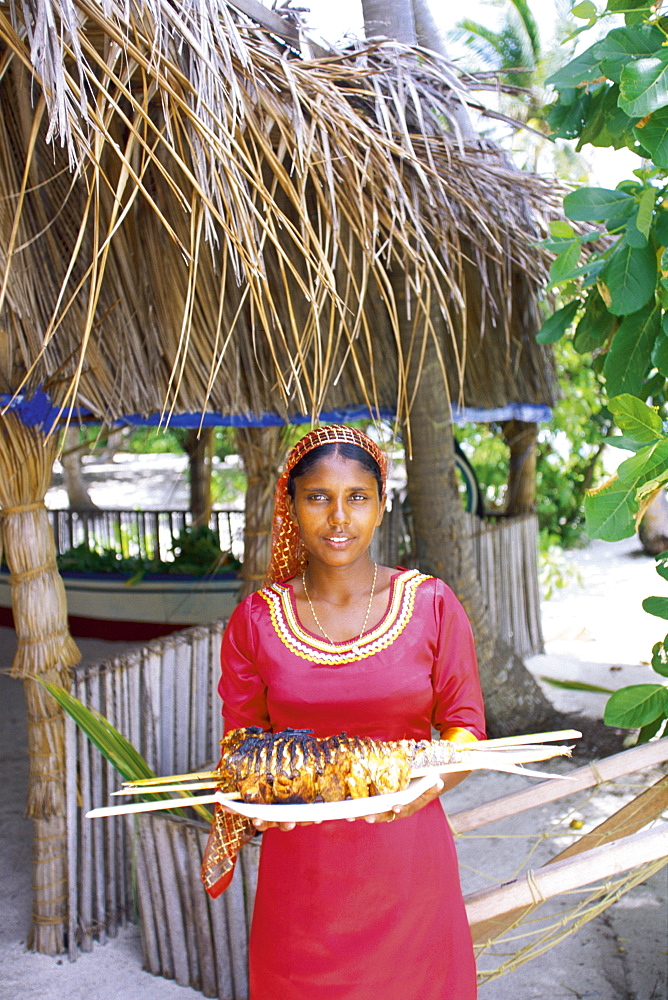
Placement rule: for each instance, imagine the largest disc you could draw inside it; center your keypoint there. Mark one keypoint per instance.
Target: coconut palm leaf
(113, 746)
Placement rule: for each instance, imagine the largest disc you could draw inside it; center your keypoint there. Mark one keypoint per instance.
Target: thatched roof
(192, 216)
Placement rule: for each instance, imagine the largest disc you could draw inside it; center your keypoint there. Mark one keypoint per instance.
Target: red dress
(354, 911)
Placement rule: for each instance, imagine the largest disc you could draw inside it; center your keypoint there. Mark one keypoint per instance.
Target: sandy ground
(596, 632)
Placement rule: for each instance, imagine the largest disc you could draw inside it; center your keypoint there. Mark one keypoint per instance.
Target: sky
(333, 19)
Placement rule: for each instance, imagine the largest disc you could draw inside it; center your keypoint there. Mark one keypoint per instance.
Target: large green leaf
(610, 510)
(660, 657)
(629, 357)
(623, 44)
(593, 204)
(630, 278)
(120, 753)
(566, 119)
(662, 565)
(661, 225)
(660, 354)
(643, 85)
(636, 419)
(636, 706)
(584, 69)
(657, 606)
(555, 326)
(576, 685)
(654, 136)
(646, 210)
(649, 463)
(605, 123)
(566, 262)
(596, 325)
(634, 11)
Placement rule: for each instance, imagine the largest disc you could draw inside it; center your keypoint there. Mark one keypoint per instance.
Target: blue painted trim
(38, 411)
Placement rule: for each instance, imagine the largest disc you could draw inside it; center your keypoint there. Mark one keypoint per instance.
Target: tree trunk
(521, 440)
(199, 446)
(45, 650)
(653, 529)
(75, 486)
(262, 450)
(391, 20)
(514, 703)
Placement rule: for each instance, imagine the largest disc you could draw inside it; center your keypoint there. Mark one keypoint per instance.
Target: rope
(17, 578)
(23, 508)
(600, 780)
(536, 894)
(47, 637)
(543, 938)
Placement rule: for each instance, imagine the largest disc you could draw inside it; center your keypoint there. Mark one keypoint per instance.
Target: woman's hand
(401, 812)
(261, 825)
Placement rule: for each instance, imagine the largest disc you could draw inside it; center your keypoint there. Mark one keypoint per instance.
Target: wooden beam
(629, 819)
(268, 19)
(647, 755)
(485, 907)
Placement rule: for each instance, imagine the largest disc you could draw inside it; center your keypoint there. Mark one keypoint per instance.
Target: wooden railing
(148, 534)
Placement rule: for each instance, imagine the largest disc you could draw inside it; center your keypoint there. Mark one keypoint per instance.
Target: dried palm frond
(236, 214)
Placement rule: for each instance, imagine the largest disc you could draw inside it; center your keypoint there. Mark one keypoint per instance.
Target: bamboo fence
(505, 552)
(163, 698)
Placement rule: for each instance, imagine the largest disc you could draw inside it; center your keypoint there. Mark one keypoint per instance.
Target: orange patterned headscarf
(288, 557)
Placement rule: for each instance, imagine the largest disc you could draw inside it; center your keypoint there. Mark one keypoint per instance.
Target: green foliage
(612, 511)
(196, 552)
(554, 571)
(615, 94)
(113, 746)
(568, 456)
(154, 441)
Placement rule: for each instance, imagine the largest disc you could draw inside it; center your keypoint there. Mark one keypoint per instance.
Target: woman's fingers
(398, 812)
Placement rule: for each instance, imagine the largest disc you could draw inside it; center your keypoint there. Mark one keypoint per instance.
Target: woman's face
(337, 509)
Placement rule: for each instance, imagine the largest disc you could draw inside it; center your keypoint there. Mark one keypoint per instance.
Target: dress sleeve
(241, 687)
(458, 700)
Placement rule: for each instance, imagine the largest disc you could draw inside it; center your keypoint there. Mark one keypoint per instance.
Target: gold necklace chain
(366, 617)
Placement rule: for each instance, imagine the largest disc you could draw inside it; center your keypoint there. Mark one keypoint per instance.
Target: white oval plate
(312, 812)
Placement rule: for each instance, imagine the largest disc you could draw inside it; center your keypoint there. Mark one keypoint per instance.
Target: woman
(353, 910)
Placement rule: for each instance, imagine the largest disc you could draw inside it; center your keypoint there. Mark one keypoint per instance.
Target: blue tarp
(38, 410)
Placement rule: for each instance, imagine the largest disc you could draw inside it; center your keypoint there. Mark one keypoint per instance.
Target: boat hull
(108, 607)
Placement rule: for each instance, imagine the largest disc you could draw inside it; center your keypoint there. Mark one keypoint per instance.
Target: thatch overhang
(193, 218)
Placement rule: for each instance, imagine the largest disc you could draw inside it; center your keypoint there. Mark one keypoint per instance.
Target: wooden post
(521, 440)
(199, 448)
(46, 650)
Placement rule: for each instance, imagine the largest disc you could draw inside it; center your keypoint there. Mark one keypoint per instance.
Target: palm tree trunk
(45, 650)
(262, 451)
(514, 702)
(390, 19)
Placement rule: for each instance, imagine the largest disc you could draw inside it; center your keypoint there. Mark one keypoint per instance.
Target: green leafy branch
(613, 511)
(611, 268)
